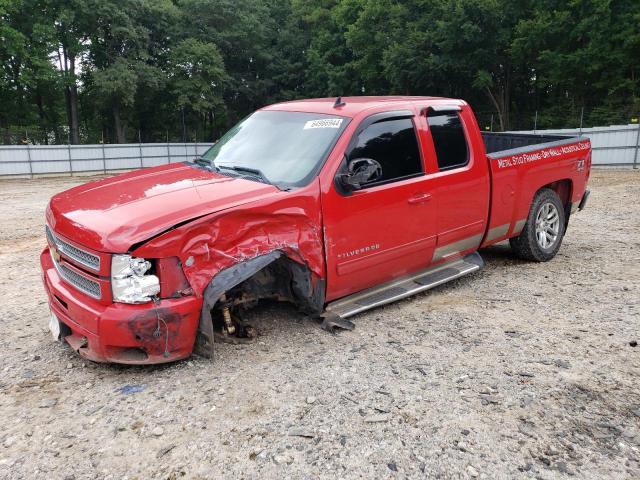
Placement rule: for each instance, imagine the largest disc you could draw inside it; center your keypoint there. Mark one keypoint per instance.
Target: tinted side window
(448, 139)
(394, 145)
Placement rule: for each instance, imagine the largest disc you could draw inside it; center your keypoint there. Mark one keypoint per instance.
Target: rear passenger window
(448, 139)
(394, 145)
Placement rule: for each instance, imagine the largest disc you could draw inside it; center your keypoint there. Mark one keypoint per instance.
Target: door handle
(419, 198)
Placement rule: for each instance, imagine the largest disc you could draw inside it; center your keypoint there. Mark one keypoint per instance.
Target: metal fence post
(635, 156)
(140, 149)
(70, 162)
(104, 157)
(29, 159)
(581, 119)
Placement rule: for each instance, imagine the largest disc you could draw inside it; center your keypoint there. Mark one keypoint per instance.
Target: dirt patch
(521, 370)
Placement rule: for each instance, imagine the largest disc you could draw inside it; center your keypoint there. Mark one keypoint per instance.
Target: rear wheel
(542, 235)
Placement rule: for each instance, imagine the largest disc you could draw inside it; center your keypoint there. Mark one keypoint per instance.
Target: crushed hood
(112, 214)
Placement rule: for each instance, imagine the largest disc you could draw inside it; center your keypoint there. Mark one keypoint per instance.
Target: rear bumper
(120, 333)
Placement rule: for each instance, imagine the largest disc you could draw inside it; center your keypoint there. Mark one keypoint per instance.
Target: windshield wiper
(205, 162)
(252, 172)
(245, 172)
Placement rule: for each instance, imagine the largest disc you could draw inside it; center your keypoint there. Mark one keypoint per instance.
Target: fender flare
(220, 283)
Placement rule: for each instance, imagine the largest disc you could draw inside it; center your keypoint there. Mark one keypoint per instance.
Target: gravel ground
(522, 370)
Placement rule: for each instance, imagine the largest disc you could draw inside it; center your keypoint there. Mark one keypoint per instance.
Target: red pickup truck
(336, 205)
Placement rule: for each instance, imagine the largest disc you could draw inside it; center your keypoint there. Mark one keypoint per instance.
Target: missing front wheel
(229, 327)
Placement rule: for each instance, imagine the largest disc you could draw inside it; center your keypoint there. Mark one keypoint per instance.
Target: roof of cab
(354, 105)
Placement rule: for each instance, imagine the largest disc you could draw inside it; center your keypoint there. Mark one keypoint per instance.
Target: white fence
(617, 145)
(29, 160)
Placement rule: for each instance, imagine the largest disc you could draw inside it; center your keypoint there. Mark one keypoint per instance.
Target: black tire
(529, 244)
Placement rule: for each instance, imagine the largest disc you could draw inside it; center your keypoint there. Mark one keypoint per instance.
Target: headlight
(129, 284)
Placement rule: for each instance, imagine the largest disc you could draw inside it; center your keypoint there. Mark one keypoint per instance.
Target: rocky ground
(522, 370)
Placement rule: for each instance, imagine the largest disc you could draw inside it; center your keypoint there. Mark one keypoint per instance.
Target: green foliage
(197, 75)
(117, 82)
(87, 70)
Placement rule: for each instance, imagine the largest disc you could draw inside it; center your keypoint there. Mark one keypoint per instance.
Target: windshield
(285, 148)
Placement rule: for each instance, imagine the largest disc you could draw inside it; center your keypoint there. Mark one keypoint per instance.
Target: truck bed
(521, 164)
(506, 144)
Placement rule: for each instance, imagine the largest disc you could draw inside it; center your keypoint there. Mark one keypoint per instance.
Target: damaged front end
(234, 259)
(172, 290)
(103, 330)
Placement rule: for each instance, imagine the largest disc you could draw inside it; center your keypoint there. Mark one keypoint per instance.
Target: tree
(582, 56)
(373, 28)
(122, 53)
(329, 58)
(12, 51)
(285, 60)
(27, 77)
(239, 28)
(86, 70)
(197, 76)
(71, 34)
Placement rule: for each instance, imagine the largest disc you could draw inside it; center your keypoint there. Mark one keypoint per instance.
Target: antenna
(339, 103)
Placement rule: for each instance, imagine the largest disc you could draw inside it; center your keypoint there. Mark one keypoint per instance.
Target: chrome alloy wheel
(547, 225)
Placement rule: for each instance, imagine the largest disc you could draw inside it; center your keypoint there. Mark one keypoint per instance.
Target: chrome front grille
(82, 283)
(87, 259)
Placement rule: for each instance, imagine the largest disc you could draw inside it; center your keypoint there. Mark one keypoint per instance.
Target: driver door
(386, 228)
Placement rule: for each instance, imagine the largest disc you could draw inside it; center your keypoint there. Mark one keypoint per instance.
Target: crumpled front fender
(290, 224)
(219, 251)
(223, 281)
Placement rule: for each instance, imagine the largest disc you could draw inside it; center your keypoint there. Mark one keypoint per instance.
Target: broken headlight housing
(130, 282)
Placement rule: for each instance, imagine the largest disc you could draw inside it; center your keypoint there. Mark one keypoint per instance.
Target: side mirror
(360, 171)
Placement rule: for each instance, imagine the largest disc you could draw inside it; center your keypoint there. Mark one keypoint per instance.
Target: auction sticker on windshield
(324, 123)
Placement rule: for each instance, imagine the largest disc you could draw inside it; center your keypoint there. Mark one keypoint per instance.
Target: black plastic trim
(376, 118)
(583, 202)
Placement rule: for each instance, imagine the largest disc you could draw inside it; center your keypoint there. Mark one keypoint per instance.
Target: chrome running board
(405, 286)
